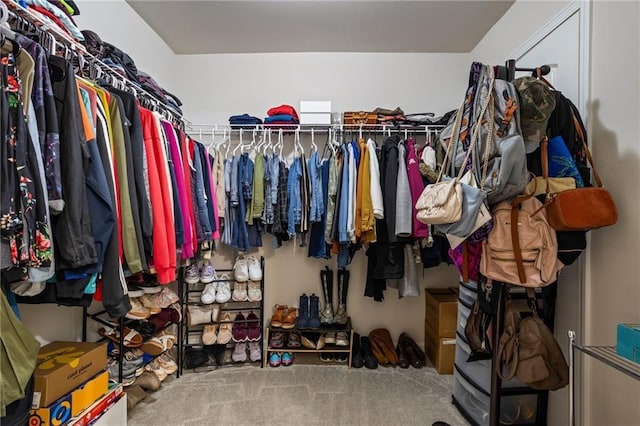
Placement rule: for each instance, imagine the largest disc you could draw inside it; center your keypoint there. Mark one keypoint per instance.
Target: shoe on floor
(287, 359)
(155, 368)
(255, 270)
(356, 354)
(207, 273)
(342, 338)
(191, 274)
(135, 394)
(255, 351)
(240, 353)
(148, 381)
(367, 353)
(167, 363)
(241, 269)
(275, 359)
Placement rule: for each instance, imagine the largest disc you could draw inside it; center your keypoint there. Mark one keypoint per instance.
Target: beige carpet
(301, 395)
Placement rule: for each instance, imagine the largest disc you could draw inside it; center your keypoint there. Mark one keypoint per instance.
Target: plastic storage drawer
(467, 295)
(463, 314)
(474, 404)
(479, 372)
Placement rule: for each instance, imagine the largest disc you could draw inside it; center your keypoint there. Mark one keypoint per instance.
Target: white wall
(117, 23)
(236, 83)
(213, 87)
(612, 398)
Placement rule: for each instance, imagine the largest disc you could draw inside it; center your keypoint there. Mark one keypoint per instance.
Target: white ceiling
(194, 27)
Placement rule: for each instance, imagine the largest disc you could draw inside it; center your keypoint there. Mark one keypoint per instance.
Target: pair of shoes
(240, 352)
(205, 275)
(312, 340)
(246, 269)
(137, 311)
(410, 352)
(246, 329)
(279, 339)
(202, 314)
(333, 356)
(284, 317)
(340, 338)
(281, 358)
(309, 312)
(219, 292)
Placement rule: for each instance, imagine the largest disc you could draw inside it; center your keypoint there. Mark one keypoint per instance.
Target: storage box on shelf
(440, 327)
(315, 112)
(628, 341)
(191, 335)
(311, 356)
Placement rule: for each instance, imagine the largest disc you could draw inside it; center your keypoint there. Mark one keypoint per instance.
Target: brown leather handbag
(528, 350)
(360, 117)
(580, 209)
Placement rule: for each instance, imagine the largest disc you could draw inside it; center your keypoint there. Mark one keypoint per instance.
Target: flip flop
(132, 339)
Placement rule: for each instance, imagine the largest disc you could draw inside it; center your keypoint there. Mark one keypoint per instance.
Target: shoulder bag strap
(576, 124)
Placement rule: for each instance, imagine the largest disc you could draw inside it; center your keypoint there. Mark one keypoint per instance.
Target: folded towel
(281, 118)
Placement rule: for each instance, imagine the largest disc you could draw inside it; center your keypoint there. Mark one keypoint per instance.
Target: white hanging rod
(369, 128)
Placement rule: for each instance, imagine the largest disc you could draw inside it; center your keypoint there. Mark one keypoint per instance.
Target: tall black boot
(343, 286)
(326, 279)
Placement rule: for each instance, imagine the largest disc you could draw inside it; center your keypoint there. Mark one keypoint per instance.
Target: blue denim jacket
(294, 212)
(315, 180)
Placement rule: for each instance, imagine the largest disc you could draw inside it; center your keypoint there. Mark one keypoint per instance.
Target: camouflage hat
(537, 102)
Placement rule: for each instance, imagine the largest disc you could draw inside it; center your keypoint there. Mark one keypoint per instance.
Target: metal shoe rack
(190, 296)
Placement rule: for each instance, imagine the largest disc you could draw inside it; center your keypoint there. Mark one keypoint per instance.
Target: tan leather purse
(580, 209)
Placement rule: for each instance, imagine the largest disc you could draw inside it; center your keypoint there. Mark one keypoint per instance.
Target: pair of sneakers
(219, 292)
(242, 349)
(205, 275)
(247, 268)
(277, 359)
(247, 291)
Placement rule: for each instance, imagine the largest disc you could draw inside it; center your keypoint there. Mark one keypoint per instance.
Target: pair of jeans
(294, 212)
(318, 247)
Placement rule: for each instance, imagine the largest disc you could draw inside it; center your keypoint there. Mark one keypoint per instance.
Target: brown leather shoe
(413, 352)
(402, 357)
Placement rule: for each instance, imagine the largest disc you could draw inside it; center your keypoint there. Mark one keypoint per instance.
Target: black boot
(314, 318)
(370, 360)
(341, 315)
(356, 354)
(326, 280)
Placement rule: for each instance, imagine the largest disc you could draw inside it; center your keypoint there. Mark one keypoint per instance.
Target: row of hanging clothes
(354, 193)
(95, 181)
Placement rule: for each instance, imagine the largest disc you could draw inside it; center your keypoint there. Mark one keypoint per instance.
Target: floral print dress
(24, 224)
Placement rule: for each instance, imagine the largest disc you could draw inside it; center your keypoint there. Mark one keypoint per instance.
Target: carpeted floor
(301, 395)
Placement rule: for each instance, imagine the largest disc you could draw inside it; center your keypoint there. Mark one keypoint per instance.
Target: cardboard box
(315, 106)
(442, 311)
(72, 404)
(63, 366)
(628, 342)
(100, 409)
(440, 350)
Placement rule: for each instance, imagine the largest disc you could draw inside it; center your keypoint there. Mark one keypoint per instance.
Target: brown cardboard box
(442, 311)
(440, 350)
(63, 366)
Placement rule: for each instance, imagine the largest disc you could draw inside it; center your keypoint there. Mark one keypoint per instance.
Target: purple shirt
(416, 186)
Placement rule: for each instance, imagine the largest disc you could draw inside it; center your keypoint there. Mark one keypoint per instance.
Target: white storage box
(319, 118)
(315, 106)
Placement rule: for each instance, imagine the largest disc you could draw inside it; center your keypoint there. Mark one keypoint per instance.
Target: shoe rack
(305, 355)
(191, 297)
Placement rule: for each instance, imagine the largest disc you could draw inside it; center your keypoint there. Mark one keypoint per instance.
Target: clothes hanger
(299, 144)
(239, 144)
(228, 142)
(314, 147)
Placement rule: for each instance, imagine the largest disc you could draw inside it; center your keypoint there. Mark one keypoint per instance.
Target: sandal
(132, 339)
(276, 319)
(289, 321)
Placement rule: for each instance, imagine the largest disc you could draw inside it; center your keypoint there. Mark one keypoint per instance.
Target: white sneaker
(254, 293)
(224, 291)
(255, 269)
(208, 295)
(241, 270)
(240, 352)
(240, 292)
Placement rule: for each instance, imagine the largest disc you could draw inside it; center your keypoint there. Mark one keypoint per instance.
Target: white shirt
(374, 174)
